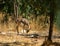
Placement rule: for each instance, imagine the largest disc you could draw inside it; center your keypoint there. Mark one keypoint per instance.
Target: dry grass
(17, 40)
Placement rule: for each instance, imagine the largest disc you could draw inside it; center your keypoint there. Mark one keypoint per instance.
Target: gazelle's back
(24, 21)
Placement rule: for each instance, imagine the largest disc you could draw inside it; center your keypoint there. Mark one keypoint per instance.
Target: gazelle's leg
(17, 29)
(28, 28)
(23, 28)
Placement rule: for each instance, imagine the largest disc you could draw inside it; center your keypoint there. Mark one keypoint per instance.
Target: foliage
(27, 7)
(37, 7)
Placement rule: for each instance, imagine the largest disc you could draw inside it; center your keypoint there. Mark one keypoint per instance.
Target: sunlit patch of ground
(18, 40)
(21, 39)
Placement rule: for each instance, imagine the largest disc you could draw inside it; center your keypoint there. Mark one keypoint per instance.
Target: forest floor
(12, 39)
(9, 37)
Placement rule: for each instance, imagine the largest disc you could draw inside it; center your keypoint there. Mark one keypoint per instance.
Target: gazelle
(25, 22)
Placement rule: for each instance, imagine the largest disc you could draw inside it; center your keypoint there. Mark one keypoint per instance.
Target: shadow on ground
(48, 43)
(17, 44)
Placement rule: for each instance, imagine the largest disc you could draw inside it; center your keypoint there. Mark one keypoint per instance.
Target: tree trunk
(51, 20)
(15, 9)
(16, 13)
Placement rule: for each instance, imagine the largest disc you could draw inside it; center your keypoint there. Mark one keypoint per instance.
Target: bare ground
(13, 39)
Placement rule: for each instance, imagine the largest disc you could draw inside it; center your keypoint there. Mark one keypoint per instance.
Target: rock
(34, 35)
